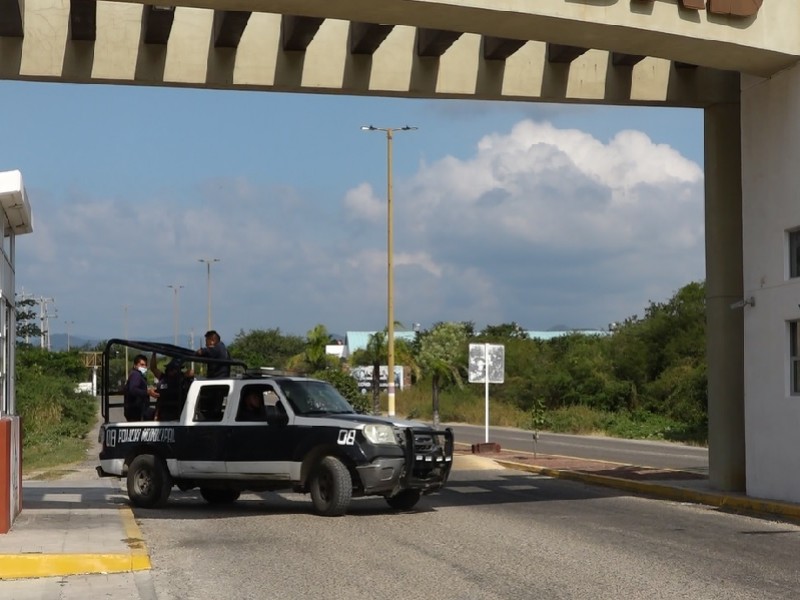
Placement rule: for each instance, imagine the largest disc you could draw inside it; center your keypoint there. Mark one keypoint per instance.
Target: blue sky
(539, 214)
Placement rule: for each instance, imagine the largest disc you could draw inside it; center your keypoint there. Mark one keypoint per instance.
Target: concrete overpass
(736, 59)
(621, 52)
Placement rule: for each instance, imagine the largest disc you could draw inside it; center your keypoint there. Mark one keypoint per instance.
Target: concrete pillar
(10, 471)
(725, 328)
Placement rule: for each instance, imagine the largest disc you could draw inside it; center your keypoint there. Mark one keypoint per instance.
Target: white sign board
(485, 358)
(487, 364)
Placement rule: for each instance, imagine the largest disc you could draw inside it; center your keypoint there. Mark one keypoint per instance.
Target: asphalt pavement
(77, 536)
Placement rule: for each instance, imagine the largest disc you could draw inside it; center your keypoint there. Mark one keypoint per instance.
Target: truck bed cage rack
(146, 347)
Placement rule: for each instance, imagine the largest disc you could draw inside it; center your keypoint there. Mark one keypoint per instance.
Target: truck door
(254, 448)
(202, 452)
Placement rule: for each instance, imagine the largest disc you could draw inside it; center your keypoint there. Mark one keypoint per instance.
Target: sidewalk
(667, 484)
(79, 525)
(75, 538)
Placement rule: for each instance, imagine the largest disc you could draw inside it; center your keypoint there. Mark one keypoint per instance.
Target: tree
(442, 351)
(377, 353)
(265, 347)
(26, 320)
(315, 355)
(504, 331)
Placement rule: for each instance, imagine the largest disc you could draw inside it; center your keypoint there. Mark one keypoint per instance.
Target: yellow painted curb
(680, 494)
(23, 566)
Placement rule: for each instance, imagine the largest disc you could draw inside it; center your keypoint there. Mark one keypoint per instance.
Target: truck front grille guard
(429, 456)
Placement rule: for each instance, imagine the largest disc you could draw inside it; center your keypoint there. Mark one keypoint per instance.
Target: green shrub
(49, 403)
(642, 425)
(576, 419)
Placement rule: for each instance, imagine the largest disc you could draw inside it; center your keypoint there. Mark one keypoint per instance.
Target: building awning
(14, 202)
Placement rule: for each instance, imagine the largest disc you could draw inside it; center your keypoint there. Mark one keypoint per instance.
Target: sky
(544, 215)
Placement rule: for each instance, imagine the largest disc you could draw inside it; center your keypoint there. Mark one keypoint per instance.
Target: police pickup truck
(260, 431)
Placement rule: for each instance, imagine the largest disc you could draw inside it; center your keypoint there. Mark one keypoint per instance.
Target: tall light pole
(125, 330)
(208, 262)
(175, 289)
(390, 258)
(68, 323)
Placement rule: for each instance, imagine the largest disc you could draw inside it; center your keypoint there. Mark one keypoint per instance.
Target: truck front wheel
(149, 483)
(331, 487)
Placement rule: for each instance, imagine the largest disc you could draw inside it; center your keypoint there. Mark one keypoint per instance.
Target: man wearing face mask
(137, 393)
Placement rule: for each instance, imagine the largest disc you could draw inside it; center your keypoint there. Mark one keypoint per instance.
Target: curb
(24, 566)
(717, 499)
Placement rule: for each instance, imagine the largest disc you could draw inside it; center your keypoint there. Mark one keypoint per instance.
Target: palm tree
(376, 352)
(316, 340)
(440, 353)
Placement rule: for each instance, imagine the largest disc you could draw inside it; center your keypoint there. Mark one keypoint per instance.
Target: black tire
(219, 496)
(331, 487)
(405, 500)
(149, 482)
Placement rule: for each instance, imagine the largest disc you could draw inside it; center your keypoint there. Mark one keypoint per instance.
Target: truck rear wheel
(331, 487)
(405, 500)
(149, 483)
(219, 496)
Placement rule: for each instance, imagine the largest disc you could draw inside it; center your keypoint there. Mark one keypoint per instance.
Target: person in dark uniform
(136, 402)
(252, 407)
(215, 349)
(173, 385)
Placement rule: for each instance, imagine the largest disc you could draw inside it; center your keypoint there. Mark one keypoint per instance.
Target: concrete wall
(770, 206)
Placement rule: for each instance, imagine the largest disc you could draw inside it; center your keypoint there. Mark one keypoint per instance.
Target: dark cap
(175, 363)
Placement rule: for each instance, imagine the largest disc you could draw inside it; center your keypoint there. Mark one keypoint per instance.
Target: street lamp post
(390, 258)
(125, 331)
(175, 289)
(208, 262)
(68, 323)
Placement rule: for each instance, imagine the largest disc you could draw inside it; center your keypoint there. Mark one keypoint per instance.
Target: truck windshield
(309, 397)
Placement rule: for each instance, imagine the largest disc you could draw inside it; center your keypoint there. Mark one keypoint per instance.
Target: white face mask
(142, 370)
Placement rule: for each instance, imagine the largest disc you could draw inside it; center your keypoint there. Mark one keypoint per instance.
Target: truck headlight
(380, 434)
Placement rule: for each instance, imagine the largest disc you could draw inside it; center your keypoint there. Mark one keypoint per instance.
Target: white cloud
(559, 222)
(361, 203)
(538, 225)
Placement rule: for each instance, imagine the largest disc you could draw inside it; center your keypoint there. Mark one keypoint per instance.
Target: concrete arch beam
(192, 56)
(762, 44)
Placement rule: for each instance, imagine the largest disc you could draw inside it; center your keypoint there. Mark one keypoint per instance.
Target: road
(491, 534)
(662, 455)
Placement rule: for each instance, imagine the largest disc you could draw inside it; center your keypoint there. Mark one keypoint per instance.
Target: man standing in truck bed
(138, 393)
(215, 349)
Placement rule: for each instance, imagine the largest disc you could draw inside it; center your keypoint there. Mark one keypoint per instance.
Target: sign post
(486, 365)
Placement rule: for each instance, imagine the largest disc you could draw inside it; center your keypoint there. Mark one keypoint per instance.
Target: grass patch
(579, 420)
(55, 419)
(458, 406)
(53, 452)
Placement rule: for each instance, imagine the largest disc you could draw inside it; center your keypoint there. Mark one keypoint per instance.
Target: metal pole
(390, 258)
(390, 273)
(175, 289)
(486, 390)
(68, 323)
(208, 262)
(125, 331)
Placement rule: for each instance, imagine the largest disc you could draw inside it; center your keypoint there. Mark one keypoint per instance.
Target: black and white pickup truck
(261, 431)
